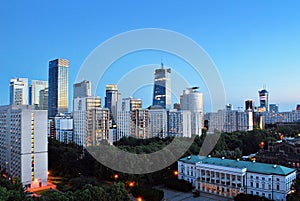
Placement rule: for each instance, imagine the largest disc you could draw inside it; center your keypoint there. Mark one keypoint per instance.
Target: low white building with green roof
(228, 178)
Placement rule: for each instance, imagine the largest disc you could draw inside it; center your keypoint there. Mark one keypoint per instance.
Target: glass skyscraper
(162, 88)
(58, 87)
(111, 100)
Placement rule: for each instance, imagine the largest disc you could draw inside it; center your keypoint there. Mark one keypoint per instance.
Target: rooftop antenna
(161, 62)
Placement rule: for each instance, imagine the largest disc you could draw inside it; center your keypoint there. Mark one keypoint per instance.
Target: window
(277, 187)
(257, 185)
(251, 184)
(251, 192)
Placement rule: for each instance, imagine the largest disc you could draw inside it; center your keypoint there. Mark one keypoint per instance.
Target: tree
(118, 192)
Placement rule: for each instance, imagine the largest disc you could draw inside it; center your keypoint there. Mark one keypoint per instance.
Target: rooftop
(256, 167)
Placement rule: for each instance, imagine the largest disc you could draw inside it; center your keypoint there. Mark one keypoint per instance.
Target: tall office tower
(34, 91)
(91, 122)
(273, 108)
(129, 109)
(58, 87)
(18, 91)
(43, 99)
(23, 144)
(263, 100)
(158, 122)
(111, 100)
(192, 100)
(162, 88)
(249, 105)
(82, 89)
(175, 123)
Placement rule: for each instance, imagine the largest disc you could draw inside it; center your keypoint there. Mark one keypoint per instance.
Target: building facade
(18, 91)
(192, 101)
(35, 91)
(91, 121)
(158, 122)
(228, 178)
(24, 144)
(58, 83)
(263, 100)
(112, 97)
(132, 120)
(64, 127)
(162, 88)
(284, 152)
(43, 99)
(82, 89)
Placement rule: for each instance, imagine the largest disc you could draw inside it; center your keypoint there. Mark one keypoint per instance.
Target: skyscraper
(58, 87)
(82, 89)
(111, 100)
(34, 91)
(263, 99)
(162, 88)
(18, 91)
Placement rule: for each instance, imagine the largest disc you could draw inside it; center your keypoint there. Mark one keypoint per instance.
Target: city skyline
(251, 43)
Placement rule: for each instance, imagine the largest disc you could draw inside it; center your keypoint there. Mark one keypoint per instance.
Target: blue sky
(251, 42)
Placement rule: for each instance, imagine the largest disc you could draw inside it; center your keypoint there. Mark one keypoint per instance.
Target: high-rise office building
(162, 88)
(298, 107)
(132, 119)
(263, 100)
(43, 99)
(34, 91)
(82, 89)
(24, 144)
(91, 122)
(58, 87)
(192, 100)
(18, 91)
(249, 105)
(111, 100)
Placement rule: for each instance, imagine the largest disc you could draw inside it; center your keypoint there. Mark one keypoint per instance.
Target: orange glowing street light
(176, 173)
(48, 173)
(131, 184)
(139, 199)
(116, 176)
(262, 144)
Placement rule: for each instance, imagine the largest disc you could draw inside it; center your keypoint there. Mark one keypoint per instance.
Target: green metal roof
(256, 167)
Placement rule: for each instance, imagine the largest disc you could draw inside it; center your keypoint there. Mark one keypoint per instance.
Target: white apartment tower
(18, 91)
(192, 101)
(24, 144)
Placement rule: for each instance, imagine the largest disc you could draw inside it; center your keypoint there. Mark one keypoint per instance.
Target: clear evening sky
(251, 42)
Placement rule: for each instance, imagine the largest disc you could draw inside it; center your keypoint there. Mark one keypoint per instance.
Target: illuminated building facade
(58, 82)
(24, 144)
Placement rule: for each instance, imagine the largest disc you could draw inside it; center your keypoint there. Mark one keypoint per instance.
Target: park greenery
(84, 178)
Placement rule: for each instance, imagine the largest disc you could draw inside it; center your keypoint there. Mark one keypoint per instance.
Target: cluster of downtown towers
(90, 124)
